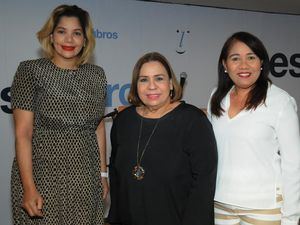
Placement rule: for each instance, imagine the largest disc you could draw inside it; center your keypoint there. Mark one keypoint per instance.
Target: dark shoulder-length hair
(258, 93)
(133, 97)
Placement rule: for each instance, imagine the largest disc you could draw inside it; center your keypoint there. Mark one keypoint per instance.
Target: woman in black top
(163, 162)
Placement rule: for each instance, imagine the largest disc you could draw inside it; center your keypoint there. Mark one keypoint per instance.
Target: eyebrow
(156, 75)
(236, 54)
(76, 29)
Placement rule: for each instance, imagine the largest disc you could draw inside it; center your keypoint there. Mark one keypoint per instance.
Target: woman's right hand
(33, 203)
(32, 200)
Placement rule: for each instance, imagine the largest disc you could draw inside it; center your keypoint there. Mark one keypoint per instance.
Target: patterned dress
(68, 106)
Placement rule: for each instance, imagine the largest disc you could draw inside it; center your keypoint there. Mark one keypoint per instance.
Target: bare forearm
(101, 136)
(23, 121)
(24, 160)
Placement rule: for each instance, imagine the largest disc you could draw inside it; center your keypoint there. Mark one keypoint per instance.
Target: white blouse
(259, 152)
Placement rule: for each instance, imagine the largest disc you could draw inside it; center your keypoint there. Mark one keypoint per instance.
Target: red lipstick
(68, 48)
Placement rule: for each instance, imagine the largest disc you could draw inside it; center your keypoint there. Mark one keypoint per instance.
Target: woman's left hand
(105, 187)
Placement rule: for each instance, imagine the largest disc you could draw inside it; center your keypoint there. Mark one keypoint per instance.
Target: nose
(152, 84)
(244, 64)
(68, 38)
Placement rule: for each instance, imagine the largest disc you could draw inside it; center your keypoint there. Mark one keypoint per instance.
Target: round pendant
(138, 172)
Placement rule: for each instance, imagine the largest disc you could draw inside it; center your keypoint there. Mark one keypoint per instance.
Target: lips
(68, 48)
(244, 75)
(153, 96)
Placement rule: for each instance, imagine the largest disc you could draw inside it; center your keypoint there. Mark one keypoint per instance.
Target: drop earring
(51, 38)
(172, 93)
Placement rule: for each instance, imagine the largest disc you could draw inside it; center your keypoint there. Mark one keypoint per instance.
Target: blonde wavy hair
(44, 35)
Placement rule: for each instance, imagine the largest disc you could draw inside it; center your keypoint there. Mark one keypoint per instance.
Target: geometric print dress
(67, 106)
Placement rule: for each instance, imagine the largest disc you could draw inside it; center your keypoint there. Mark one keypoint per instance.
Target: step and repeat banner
(191, 37)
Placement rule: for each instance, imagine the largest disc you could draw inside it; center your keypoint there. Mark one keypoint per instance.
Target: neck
(241, 92)
(157, 112)
(65, 64)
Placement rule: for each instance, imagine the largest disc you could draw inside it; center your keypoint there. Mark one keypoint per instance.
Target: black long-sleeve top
(180, 169)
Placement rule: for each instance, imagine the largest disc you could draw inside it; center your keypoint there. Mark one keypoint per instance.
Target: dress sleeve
(201, 148)
(113, 216)
(23, 89)
(287, 130)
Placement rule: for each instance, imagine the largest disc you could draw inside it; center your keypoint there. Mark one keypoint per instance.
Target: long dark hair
(258, 93)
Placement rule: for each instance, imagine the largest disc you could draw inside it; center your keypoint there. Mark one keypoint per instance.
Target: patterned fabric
(68, 106)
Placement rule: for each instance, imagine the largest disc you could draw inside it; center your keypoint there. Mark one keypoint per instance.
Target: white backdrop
(191, 37)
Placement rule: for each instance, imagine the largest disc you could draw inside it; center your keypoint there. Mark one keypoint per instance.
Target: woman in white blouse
(257, 132)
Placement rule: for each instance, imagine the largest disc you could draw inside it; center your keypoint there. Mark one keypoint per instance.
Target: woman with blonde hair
(59, 173)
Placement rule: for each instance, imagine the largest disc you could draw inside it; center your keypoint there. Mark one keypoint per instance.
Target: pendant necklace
(138, 171)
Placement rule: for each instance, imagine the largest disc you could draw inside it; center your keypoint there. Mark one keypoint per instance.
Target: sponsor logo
(182, 36)
(5, 96)
(116, 96)
(280, 65)
(118, 92)
(100, 34)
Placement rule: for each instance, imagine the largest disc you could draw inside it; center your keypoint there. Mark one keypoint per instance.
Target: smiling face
(68, 40)
(154, 85)
(243, 66)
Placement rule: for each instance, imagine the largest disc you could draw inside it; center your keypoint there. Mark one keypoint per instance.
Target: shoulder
(93, 67)
(31, 63)
(126, 113)
(35, 65)
(95, 72)
(192, 119)
(277, 94)
(191, 116)
(279, 99)
(28, 69)
(192, 110)
(125, 119)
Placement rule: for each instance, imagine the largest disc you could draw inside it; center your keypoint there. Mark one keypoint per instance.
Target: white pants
(233, 215)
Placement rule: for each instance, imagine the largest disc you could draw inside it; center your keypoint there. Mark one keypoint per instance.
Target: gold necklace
(138, 171)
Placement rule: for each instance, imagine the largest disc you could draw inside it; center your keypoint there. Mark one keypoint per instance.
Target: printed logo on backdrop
(182, 36)
(5, 96)
(101, 34)
(280, 66)
(116, 94)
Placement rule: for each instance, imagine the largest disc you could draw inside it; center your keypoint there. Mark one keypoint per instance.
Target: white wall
(131, 29)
